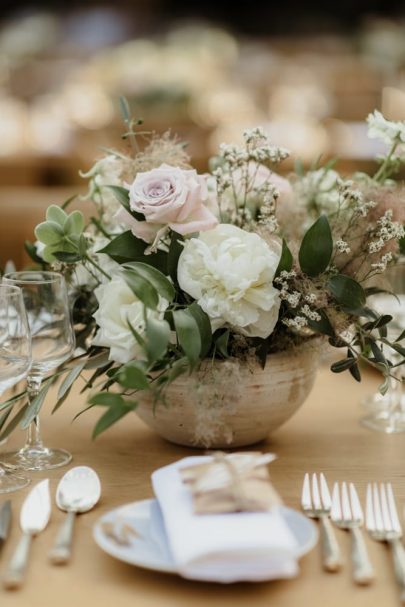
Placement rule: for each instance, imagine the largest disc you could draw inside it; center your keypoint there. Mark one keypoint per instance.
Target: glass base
(393, 423)
(11, 481)
(37, 458)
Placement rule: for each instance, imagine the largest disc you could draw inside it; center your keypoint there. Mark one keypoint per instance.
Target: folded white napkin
(224, 548)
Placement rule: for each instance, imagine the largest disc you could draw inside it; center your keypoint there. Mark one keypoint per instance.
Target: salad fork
(316, 503)
(347, 513)
(383, 525)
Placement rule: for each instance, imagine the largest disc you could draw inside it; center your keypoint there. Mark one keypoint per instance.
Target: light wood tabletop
(324, 435)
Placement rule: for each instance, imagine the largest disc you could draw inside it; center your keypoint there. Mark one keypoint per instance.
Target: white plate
(151, 550)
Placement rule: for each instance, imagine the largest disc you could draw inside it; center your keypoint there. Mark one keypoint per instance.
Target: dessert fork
(347, 513)
(317, 504)
(383, 525)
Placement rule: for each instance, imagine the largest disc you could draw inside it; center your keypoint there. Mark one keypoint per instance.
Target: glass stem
(34, 440)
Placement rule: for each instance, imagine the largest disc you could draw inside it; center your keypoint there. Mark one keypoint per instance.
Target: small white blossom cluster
(298, 322)
(381, 266)
(354, 199)
(311, 298)
(388, 131)
(387, 230)
(342, 246)
(267, 216)
(257, 149)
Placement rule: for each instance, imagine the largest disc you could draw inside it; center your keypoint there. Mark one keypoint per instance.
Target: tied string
(237, 482)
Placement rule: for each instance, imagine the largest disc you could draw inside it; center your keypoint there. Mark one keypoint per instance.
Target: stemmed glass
(52, 337)
(388, 410)
(15, 362)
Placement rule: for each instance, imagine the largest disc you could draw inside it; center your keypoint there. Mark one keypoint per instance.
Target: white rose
(230, 273)
(119, 306)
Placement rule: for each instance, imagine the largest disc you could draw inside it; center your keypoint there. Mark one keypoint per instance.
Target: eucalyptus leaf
(316, 248)
(322, 326)
(107, 399)
(188, 334)
(12, 425)
(342, 365)
(71, 378)
(56, 214)
(49, 233)
(35, 406)
(74, 223)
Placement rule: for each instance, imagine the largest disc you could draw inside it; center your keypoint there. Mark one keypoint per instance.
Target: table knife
(5, 520)
(34, 517)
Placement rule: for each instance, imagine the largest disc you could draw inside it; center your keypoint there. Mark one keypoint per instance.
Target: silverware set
(78, 491)
(344, 509)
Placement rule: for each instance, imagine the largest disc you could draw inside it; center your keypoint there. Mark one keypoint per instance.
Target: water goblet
(15, 363)
(52, 338)
(387, 412)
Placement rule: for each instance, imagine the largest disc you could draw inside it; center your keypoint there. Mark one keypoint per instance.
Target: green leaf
(122, 195)
(204, 326)
(401, 336)
(67, 257)
(107, 399)
(347, 292)
(157, 334)
(74, 223)
(355, 372)
(178, 368)
(323, 326)
(286, 260)
(49, 232)
(125, 247)
(316, 248)
(142, 288)
(382, 388)
(56, 214)
(158, 280)
(188, 334)
(32, 252)
(71, 378)
(35, 406)
(111, 416)
(12, 425)
(222, 343)
(132, 376)
(175, 249)
(342, 365)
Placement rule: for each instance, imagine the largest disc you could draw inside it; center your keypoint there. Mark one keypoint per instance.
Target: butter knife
(34, 517)
(5, 520)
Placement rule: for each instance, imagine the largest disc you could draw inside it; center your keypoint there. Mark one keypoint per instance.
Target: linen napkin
(245, 546)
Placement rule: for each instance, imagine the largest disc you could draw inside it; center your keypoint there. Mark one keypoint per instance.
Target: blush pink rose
(168, 197)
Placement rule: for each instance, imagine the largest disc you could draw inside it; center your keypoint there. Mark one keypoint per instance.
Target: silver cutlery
(78, 491)
(383, 525)
(316, 503)
(5, 520)
(34, 517)
(347, 514)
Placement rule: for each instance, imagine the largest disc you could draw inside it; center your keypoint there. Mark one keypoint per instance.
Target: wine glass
(52, 337)
(15, 362)
(388, 410)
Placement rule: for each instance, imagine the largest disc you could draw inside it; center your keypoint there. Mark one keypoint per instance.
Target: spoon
(78, 491)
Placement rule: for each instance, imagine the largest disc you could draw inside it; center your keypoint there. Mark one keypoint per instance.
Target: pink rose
(168, 197)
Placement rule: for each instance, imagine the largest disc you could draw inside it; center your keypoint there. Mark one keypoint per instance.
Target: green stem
(380, 175)
(95, 264)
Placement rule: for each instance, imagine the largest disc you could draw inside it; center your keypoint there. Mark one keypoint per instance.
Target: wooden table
(324, 435)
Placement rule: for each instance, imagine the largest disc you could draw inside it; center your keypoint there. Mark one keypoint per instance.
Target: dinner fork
(383, 525)
(347, 513)
(317, 504)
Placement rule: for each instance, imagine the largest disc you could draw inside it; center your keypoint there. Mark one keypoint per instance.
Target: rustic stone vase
(227, 404)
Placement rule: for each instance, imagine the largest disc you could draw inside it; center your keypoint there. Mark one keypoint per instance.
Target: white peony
(230, 273)
(119, 306)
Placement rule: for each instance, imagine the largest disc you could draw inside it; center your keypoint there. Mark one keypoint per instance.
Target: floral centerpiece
(176, 268)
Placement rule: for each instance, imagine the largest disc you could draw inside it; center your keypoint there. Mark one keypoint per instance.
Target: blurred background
(308, 74)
